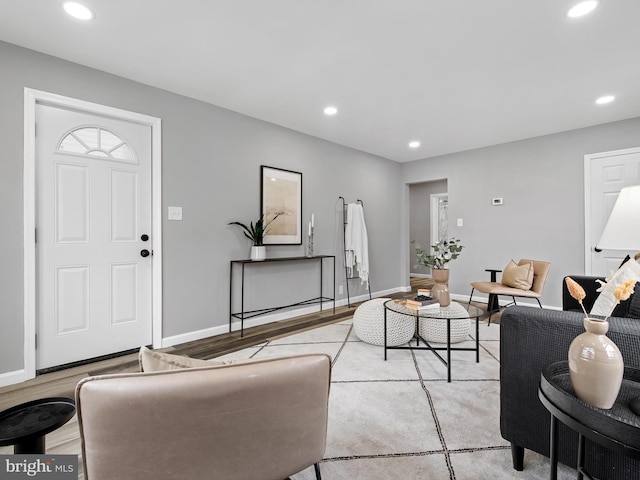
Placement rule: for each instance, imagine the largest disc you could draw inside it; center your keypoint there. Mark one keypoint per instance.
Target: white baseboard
(193, 336)
(390, 291)
(270, 318)
(276, 317)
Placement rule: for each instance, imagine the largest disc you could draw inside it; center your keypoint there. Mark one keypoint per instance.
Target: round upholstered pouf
(368, 324)
(435, 329)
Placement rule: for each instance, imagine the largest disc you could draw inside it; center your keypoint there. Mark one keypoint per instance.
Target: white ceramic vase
(258, 253)
(595, 365)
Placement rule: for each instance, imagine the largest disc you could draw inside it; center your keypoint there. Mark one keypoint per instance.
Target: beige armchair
(263, 420)
(494, 289)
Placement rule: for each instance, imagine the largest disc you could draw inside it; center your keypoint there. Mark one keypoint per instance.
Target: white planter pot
(258, 253)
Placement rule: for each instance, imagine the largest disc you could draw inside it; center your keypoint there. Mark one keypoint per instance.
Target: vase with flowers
(443, 252)
(596, 366)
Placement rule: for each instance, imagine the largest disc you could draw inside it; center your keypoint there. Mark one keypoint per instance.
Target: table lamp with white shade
(622, 232)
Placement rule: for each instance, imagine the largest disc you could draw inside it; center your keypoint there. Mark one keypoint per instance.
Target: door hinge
(35, 235)
(36, 337)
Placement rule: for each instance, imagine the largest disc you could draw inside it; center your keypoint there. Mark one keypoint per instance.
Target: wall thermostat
(497, 201)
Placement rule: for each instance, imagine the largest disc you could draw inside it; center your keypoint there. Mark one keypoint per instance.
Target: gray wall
(542, 182)
(211, 160)
(420, 218)
(211, 168)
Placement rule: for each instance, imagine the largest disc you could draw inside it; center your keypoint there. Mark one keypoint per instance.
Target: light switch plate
(460, 222)
(175, 213)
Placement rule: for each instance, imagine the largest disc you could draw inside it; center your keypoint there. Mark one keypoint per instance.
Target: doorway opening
(428, 219)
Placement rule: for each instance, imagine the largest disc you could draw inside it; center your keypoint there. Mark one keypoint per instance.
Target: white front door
(93, 224)
(606, 174)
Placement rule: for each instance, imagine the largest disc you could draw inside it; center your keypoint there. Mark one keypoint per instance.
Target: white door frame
(588, 241)
(31, 98)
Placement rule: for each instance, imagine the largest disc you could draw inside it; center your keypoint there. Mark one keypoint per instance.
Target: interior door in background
(439, 217)
(93, 223)
(607, 174)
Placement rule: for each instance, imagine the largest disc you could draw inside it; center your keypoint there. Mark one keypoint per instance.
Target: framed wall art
(281, 198)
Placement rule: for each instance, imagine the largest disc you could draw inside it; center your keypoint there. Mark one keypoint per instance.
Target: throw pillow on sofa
(606, 301)
(518, 276)
(152, 361)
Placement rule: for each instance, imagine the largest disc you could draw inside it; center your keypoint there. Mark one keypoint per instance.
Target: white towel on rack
(356, 242)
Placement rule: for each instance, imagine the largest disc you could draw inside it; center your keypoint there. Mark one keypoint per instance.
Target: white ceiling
(454, 74)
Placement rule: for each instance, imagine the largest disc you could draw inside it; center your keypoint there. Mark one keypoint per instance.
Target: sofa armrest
(530, 339)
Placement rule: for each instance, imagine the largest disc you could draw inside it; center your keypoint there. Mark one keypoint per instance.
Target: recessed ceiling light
(582, 8)
(605, 99)
(414, 144)
(77, 10)
(330, 110)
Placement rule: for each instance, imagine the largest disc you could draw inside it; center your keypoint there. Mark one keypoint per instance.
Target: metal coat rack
(344, 249)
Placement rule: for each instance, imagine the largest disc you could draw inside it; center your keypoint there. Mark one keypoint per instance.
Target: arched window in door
(96, 142)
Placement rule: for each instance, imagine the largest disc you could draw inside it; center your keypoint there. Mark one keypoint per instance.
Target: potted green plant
(443, 252)
(255, 233)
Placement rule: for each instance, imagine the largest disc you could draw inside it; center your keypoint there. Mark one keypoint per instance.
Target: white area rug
(400, 419)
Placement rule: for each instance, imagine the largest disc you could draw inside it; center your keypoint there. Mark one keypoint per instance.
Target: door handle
(597, 250)
(144, 253)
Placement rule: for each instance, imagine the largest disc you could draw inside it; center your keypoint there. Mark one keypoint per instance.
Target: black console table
(617, 429)
(243, 264)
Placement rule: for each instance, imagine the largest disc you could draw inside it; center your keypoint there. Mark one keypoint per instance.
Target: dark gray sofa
(530, 339)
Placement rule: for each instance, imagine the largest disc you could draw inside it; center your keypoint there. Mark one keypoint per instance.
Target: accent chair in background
(525, 279)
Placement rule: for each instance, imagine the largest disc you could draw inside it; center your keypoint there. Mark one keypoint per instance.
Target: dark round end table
(26, 425)
(617, 429)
